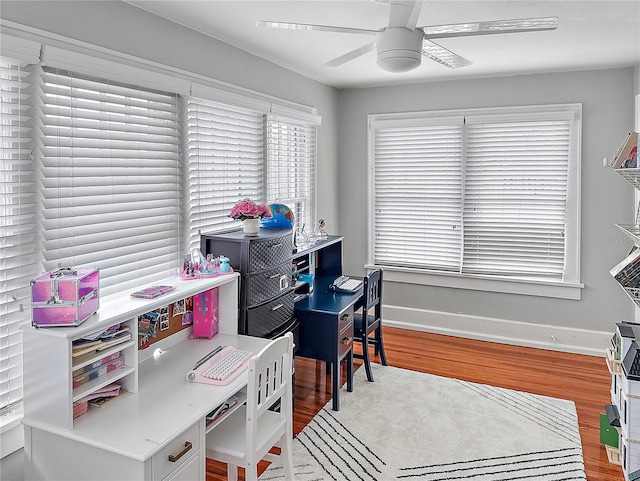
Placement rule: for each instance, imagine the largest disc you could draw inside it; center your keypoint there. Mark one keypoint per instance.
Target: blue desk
(326, 317)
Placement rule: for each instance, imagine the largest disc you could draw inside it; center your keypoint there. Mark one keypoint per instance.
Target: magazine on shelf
(627, 272)
(627, 155)
(222, 409)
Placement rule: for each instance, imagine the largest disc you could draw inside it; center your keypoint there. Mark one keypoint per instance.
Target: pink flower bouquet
(248, 209)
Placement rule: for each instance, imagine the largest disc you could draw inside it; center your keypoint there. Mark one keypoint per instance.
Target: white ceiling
(591, 34)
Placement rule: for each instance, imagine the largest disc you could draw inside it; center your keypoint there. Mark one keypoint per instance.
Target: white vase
(251, 226)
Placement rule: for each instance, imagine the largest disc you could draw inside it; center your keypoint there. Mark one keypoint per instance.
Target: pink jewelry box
(65, 296)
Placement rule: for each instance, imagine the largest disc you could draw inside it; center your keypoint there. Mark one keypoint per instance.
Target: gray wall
(121, 27)
(606, 97)
(607, 109)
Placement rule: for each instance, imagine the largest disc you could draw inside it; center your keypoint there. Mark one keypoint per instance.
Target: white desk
(132, 437)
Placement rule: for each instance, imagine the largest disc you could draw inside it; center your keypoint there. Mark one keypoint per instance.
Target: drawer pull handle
(275, 245)
(275, 276)
(187, 448)
(347, 340)
(275, 308)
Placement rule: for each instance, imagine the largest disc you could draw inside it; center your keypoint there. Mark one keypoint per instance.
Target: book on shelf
(98, 371)
(119, 339)
(95, 364)
(102, 344)
(627, 155)
(110, 390)
(103, 400)
(152, 292)
(80, 348)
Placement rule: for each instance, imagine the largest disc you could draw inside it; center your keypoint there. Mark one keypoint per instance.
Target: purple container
(65, 297)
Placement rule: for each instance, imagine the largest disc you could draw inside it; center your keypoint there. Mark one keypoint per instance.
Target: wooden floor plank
(582, 379)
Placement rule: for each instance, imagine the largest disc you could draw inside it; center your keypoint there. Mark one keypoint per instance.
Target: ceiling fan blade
(404, 13)
(443, 56)
(304, 26)
(491, 27)
(351, 55)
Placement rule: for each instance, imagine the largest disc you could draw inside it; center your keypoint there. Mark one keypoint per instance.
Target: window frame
(569, 287)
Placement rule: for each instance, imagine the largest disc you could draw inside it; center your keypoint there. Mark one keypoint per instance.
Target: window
(236, 152)
(110, 167)
(18, 230)
(477, 194)
(291, 167)
(224, 163)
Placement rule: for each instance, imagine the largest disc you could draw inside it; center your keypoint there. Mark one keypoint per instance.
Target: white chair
(248, 434)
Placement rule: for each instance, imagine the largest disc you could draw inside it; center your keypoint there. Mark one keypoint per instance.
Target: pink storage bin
(205, 314)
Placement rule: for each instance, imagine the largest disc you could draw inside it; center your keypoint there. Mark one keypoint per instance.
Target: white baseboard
(542, 336)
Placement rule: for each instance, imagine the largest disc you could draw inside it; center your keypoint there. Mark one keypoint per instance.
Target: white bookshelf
(624, 392)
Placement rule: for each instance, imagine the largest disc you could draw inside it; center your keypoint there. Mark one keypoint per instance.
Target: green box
(608, 434)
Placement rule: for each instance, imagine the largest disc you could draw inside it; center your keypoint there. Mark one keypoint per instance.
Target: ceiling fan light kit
(399, 49)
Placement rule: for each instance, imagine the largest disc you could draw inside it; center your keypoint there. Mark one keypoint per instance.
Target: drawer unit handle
(275, 245)
(347, 340)
(275, 276)
(275, 308)
(187, 448)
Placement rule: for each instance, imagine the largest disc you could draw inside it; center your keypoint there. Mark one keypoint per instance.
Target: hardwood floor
(583, 379)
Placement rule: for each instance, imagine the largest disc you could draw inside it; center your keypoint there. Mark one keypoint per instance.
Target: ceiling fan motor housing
(399, 49)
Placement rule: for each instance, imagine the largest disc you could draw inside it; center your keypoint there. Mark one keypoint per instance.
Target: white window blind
(225, 163)
(487, 194)
(18, 229)
(417, 206)
(110, 169)
(291, 167)
(515, 198)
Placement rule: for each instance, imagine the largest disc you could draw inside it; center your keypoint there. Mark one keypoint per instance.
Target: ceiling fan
(401, 45)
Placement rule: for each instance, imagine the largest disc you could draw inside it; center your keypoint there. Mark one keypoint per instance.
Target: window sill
(11, 433)
(527, 287)
(10, 420)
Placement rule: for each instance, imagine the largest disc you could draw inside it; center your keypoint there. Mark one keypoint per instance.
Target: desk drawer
(345, 334)
(262, 286)
(260, 321)
(176, 453)
(269, 252)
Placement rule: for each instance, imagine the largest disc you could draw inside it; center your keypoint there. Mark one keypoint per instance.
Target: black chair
(369, 321)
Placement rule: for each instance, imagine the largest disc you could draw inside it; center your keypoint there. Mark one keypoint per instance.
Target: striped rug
(419, 427)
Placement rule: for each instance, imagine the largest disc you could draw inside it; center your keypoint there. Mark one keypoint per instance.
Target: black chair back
(372, 293)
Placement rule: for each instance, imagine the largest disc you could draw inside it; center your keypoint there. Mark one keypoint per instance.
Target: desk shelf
(242, 398)
(49, 365)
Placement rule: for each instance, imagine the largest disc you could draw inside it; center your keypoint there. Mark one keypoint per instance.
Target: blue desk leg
(335, 381)
(350, 370)
(336, 378)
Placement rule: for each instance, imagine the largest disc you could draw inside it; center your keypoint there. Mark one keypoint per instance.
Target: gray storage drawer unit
(264, 262)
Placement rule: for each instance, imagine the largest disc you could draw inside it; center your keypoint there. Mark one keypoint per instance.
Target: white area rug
(419, 427)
